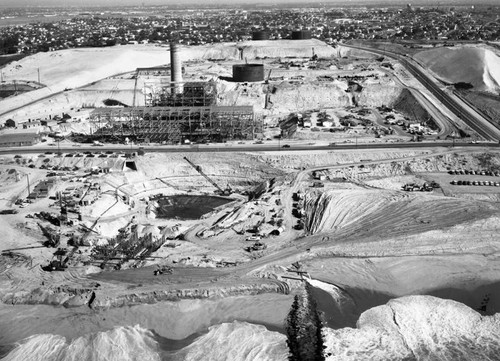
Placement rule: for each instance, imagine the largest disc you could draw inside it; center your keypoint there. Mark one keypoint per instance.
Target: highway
(223, 148)
(483, 128)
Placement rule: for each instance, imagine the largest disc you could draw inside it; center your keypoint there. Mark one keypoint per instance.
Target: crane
(223, 192)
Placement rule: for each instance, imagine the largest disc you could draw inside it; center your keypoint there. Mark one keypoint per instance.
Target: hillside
(478, 66)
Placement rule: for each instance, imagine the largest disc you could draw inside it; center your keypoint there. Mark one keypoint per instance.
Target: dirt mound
(477, 66)
(388, 213)
(417, 327)
(285, 48)
(411, 107)
(378, 92)
(339, 208)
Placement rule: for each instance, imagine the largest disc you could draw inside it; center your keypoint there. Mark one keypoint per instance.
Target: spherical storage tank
(301, 34)
(261, 35)
(248, 72)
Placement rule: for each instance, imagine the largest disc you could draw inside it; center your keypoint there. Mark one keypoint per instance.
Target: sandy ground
(363, 235)
(367, 240)
(475, 65)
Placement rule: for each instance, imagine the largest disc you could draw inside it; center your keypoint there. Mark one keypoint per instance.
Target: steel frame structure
(177, 124)
(153, 71)
(179, 94)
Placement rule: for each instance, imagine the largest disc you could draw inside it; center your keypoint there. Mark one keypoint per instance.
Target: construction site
(175, 112)
(215, 182)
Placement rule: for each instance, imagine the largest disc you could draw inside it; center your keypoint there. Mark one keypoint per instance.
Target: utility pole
(28, 179)
(38, 70)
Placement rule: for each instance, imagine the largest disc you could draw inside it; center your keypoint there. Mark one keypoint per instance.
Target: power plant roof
(214, 109)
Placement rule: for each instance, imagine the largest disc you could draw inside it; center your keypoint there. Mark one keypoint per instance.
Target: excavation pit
(188, 207)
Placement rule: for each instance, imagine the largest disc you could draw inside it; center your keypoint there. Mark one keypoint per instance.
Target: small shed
(30, 125)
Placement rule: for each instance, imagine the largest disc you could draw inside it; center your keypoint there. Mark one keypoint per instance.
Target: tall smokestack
(175, 68)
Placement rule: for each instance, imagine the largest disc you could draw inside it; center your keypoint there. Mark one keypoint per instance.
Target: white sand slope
(236, 341)
(122, 343)
(228, 341)
(366, 211)
(478, 66)
(67, 69)
(417, 328)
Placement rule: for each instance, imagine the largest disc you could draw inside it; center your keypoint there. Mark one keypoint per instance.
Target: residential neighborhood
(202, 26)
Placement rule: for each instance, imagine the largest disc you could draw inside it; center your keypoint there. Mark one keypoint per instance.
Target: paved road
(444, 122)
(481, 126)
(248, 148)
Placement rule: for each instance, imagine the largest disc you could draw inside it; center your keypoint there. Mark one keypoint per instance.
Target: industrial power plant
(180, 112)
(176, 111)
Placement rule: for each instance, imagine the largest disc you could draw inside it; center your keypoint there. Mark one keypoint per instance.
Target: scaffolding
(177, 124)
(161, 92)
(153, 71)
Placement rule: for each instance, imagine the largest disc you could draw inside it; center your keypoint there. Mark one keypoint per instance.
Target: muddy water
(186, 207)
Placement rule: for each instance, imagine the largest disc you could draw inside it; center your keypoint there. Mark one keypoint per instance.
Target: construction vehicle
(257, 246)
(434, 184)
(53, 237)
(9, 211)
(223, 192)
(413, 187)
(163, 270)
(58, 264)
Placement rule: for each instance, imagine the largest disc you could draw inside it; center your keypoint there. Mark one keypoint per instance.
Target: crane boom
(212, 182)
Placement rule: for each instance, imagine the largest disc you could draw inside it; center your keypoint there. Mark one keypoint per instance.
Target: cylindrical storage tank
(301, 34)
(248, 72)
(175, 67)
(261, 35)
